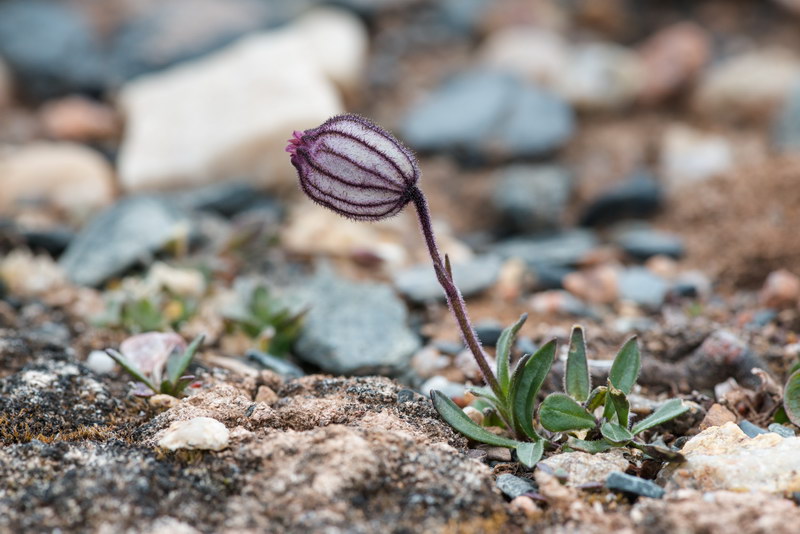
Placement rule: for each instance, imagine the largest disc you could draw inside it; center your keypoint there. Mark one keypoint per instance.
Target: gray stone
(122, 236)
(228, 199)
(642, 242)
(560, 249)
(513, 486)
(781, 430)
(619, 481)
(50, 48)
(750, 429)
(786, 129)
(419, 283)
(354, 328)
(637, 197)
(488, 332)
(281, 366)
(483, 113)
(531, 198)
(641, 286)
(163, 35)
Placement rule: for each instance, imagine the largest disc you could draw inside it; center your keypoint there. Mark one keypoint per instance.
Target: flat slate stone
(128, 233)
(619, 481)
(513, 486)
(354, 328)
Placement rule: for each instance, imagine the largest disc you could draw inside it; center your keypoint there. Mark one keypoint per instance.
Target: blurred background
(621, 162)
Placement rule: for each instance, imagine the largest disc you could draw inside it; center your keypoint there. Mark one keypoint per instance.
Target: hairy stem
(454, 298)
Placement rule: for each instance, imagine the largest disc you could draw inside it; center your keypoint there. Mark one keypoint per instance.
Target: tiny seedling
(269, 321)
(359, 170)
(175, 380)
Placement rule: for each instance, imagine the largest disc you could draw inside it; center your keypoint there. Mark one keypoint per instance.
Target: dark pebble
(618, 481)
(513, 486)
(637, 197)
(489, 332)
(750, 429)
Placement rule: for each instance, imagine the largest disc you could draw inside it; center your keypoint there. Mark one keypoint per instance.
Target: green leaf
(577, 382)
(621, 405)
(528, 377)
(504, 350)
(590, 446)
(455, 417)
(529, 453)
(560, 413)
(130, 368)
(780, 416)
(791, 398)
(596, 398)
(626, 366)
(669, 410)
(615, 433)
(177, 363)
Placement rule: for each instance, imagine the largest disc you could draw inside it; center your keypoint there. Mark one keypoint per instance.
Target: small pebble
(781, 430)
(750, 429)
(717, 415)
(498, 454)
(100, 362)
(475, 415)
(266, 395)
(513, 486)
(526, 506)
(619, 481)
(162, 401)
(489, 332)
(200, 433)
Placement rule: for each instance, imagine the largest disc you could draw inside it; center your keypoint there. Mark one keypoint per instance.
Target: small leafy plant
(147, 313)
(153, 379)
(269, 321)
(359, 170)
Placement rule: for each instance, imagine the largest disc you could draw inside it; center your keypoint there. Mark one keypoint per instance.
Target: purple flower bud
(354, 167)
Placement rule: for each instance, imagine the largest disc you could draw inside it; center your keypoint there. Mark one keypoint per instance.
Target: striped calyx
(354, 167)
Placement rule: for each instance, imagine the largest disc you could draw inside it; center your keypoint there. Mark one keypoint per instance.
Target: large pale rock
(228, 115)
(724, 458)
(64, 175)
(750, 86)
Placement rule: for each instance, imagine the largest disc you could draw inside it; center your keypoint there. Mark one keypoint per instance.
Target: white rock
(64, 175)
(689, 155)
(183, 282)
(532, 53)
(602, 77)
(748, 86)
(724, 458)
(583, 468)
(27, 275)
(6, 87)
(229, 114)
(100, 362)
(200, 433)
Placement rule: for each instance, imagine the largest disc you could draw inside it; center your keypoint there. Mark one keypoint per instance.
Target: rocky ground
(631, 168)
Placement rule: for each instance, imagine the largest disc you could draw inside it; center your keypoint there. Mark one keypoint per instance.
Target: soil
(742, 225)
